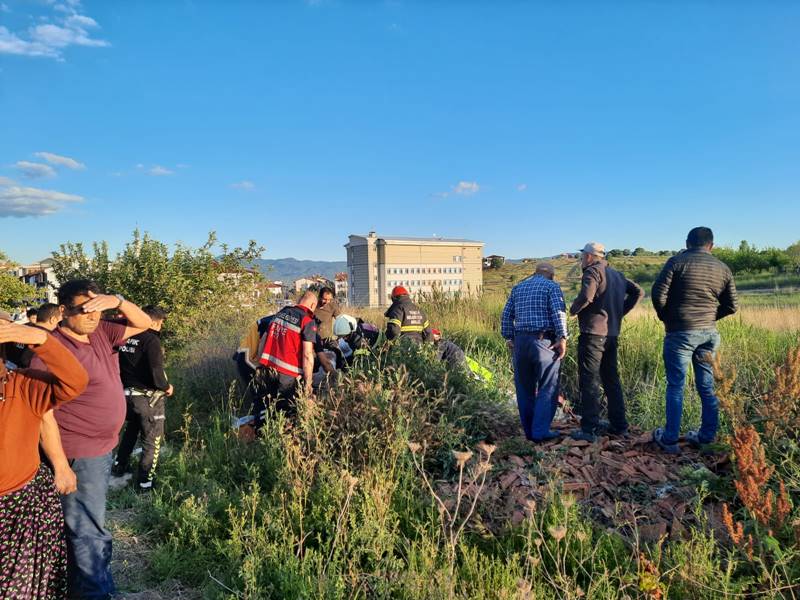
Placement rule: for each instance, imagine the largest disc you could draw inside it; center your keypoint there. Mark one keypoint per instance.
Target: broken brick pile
(625, 484)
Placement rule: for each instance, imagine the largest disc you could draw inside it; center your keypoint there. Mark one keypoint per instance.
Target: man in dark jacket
(141, 365)
(405, 319)
(693, 291)
(605, 297)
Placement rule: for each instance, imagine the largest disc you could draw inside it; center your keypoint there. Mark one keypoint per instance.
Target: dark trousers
(88, 540)
(272, 387)
(597, 365)
(148, 422)
(536, 371)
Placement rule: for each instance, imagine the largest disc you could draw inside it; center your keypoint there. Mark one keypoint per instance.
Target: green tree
(13, 292)
(496, 262)
(793, 254)
(190, 283)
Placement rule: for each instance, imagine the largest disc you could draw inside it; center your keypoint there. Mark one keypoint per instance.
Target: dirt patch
(131, 562)
(623, 483)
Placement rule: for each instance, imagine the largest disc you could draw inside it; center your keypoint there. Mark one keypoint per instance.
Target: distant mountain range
(289, 269)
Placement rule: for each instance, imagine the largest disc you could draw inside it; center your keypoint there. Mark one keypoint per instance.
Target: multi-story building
(314, 282)
(340, 287)
(376, 264)
(41, 276)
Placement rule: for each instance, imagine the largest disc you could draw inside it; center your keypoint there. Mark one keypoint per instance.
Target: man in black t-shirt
(46, 317)
(141, 364)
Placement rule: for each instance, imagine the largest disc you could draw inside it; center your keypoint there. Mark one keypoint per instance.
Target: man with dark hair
(693, 291)
(141, 365)
(31, 314)
(326, 312)
(534, 324)
(48, 316)
(21, 355)
(606, 295)
(78, 437)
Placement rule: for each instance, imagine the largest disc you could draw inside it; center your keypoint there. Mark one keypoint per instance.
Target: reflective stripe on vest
(412, 328)
(277, 362)
(283, 346)
(394, 321)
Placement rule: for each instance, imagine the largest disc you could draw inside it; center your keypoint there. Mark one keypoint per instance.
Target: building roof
(419, 240)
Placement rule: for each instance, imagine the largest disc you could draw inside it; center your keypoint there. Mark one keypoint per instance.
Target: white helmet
(344, 325)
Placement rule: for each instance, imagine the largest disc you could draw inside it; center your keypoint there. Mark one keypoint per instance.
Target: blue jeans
(697, 347)
(536, 371)
(88, 541)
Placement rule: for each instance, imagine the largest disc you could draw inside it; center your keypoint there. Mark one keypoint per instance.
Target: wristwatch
(121, 299)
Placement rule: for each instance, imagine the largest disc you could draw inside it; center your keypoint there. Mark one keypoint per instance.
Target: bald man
(534, 324)
(287, 358)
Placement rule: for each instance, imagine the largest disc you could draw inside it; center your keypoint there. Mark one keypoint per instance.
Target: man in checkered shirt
(534, 323)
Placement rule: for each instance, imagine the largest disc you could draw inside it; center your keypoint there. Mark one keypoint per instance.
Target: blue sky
(533, 127)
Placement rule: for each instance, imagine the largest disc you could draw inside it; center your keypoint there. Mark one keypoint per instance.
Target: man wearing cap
(406, 319)
(534, 324)
(604, 298)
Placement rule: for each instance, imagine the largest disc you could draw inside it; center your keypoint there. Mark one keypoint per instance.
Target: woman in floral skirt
(33, 561)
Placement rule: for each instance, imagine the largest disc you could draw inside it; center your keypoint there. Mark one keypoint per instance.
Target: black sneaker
(582, 435)
(624, 432)
(118, 470)
(145, 488)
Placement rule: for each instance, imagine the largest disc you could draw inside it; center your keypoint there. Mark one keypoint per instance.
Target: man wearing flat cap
(604, 298)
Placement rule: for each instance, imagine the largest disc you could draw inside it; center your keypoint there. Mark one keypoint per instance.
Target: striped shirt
(535, 304)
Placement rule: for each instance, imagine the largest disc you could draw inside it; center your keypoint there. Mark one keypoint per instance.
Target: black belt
(539, 335)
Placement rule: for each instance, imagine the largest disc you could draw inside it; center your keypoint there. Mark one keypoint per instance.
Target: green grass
(334, 508)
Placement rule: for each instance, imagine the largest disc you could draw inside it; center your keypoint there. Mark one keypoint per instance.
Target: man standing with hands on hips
(78, 437)
(534, 324)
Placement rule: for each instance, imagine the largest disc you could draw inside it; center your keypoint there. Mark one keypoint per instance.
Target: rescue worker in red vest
(405, 319)
(287, 358)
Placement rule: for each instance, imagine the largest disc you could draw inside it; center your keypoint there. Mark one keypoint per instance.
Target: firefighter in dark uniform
(405, 319)
(141, 365)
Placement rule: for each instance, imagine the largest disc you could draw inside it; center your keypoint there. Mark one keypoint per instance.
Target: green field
(335, 507)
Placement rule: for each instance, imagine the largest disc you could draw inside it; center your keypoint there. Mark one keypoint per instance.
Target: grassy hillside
(642, 269)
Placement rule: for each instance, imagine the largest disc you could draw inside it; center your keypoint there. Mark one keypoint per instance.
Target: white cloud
(159, 171)
(18, 201)
(6, 181)
(62, 161)
(33, 170)
(466, 188)
(56, 33)
(244, 185)
(522, 187)
(462, 188)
